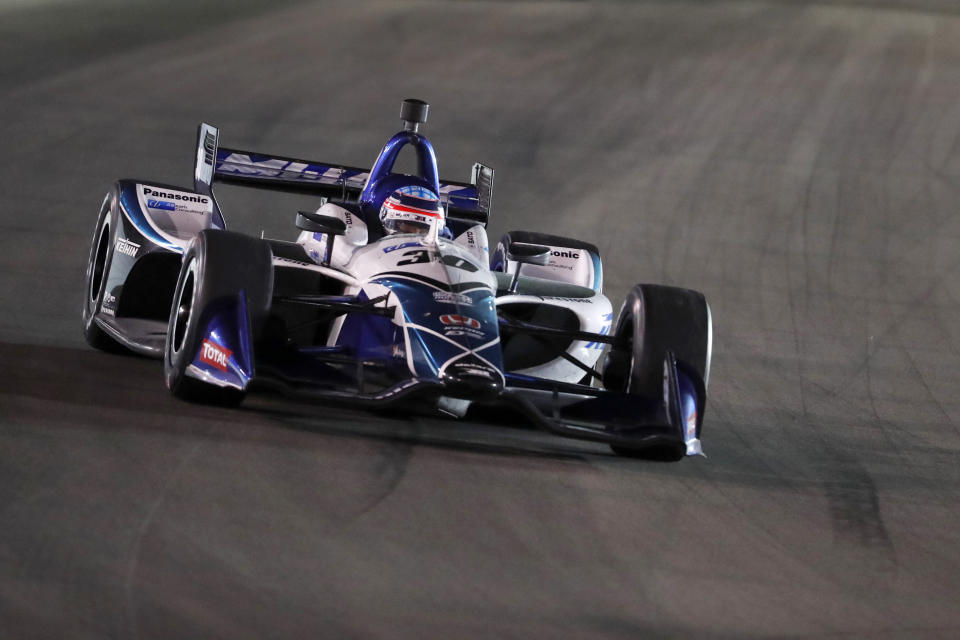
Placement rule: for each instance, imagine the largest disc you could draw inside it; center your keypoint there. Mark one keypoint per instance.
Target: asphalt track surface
(800, 164)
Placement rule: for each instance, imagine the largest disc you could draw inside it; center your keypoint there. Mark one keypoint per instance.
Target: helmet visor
(406, 213)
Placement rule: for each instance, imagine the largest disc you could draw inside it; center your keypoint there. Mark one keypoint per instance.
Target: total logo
(213, 354)
(454, 320)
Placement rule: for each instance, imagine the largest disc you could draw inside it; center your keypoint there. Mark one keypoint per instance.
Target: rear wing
(468, 201)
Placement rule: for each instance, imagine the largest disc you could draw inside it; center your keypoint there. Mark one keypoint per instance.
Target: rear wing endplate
(207, 139)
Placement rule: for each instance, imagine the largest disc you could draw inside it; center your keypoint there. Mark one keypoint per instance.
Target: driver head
(412, 209)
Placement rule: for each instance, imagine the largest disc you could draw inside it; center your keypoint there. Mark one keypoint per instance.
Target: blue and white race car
(390, 295)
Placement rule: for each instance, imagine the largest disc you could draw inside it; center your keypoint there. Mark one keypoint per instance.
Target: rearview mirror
(526, 253)
(318, 223)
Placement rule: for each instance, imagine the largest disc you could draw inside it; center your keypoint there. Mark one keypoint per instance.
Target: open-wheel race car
(390, 294)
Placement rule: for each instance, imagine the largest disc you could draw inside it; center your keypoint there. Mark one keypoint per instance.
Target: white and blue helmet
(412, 209)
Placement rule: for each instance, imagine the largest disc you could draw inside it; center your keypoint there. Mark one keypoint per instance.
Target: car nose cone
(472, 380)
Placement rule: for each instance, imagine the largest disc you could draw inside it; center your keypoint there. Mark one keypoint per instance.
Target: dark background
(798, 163)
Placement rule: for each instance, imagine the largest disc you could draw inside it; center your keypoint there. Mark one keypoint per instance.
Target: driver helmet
(412, 209)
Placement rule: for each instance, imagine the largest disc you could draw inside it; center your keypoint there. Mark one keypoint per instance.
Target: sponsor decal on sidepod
(562, 299)
(127, 248)
(176, 201)
(161, 204)
(176, 195)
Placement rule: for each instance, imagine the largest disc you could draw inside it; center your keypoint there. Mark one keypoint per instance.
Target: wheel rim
(99, 264)
(184, 308)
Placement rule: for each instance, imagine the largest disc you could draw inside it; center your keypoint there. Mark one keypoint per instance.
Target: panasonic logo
(566, 254)
(147, 191)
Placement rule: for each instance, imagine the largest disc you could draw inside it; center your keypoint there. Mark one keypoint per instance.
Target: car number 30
(418, 256)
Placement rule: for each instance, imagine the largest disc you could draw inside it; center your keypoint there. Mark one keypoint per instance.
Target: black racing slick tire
(95, 285)
(656, 319)
(216, 267)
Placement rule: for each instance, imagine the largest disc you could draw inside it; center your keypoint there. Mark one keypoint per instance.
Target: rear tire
(98, 268)
(217, 266)
(653, 320)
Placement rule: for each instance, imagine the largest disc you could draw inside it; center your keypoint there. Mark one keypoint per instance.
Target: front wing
(576, 411)
(627, 420)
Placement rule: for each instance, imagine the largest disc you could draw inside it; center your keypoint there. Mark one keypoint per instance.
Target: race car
(391, 295)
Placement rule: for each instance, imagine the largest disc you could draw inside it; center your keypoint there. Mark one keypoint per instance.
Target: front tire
(98, 268)
(217, 266)
(656, 319)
